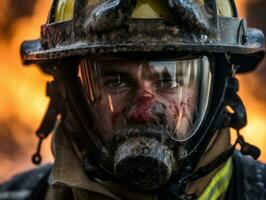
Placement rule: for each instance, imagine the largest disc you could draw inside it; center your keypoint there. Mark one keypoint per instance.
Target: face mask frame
(70, 78)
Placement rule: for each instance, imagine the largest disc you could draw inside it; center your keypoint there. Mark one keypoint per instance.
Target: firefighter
(143, 96)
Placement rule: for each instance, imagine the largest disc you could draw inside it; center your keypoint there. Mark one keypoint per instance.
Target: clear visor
(172, 94)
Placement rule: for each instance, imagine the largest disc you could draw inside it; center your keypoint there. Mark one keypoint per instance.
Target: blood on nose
(141, 110)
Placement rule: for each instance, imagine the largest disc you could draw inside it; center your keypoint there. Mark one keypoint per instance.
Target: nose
(144, 108)
(140, 111)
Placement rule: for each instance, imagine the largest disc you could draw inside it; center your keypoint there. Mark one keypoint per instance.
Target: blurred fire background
(22, 89)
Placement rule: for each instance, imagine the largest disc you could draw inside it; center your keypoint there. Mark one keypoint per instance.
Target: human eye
(117, 83)
(169, 84)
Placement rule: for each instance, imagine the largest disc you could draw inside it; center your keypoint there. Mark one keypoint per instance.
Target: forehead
(144, 66)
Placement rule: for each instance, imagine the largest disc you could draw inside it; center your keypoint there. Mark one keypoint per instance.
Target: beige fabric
(67, 170)
(224, 8)
(68, 181)
(219, 143)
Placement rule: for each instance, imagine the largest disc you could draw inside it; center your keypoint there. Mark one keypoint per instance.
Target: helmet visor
(170, 94)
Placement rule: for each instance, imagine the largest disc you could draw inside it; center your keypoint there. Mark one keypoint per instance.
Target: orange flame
(241, 7)
(255, 131)
(22, 97)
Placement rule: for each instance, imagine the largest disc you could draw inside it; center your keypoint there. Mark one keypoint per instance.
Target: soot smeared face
(145, 93)
(140, 106)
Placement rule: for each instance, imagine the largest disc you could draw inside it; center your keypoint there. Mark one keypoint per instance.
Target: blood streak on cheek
(179, 107)
(175, 109)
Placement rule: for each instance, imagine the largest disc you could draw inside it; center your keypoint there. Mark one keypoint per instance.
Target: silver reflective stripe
(22, 194)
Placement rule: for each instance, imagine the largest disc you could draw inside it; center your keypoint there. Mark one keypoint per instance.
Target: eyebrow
(125, 74)
(114, 72)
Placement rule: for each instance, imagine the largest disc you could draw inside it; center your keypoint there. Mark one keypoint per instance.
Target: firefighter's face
(141, 108)
(139, 93)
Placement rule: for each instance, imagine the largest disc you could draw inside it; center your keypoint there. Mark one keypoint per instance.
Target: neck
(219, 143)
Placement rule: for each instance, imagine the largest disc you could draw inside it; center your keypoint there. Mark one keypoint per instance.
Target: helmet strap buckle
(50, 118)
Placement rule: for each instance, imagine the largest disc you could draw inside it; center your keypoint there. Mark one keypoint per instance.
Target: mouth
(148, 130)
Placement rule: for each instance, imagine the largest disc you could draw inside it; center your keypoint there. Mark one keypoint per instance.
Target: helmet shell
(86, 27)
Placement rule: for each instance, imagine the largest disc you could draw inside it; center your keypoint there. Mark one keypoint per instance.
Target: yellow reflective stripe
(64, 10)
(92, 2)
(151, 9)
(219, 183)
(224, 8)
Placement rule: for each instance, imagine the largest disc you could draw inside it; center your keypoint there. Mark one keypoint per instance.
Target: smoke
(11, 11)
(252, 90)
(257, 19)
(22, 90)
(7, 134)
(12, 152)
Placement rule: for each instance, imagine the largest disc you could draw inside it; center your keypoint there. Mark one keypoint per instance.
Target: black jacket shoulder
(248, 182)
(249, 179)
(28, 185)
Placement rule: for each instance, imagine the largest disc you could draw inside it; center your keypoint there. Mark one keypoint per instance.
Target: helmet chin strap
(50, 118)
(237, 120)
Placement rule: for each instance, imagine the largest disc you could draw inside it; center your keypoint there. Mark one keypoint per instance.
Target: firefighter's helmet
(81, 27)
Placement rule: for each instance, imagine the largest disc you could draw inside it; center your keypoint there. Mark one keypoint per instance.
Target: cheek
(191, 98)
(141, 111)
(178, 107)
(174, 109)
(108, 113)
(119, 105)
(104, 112)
